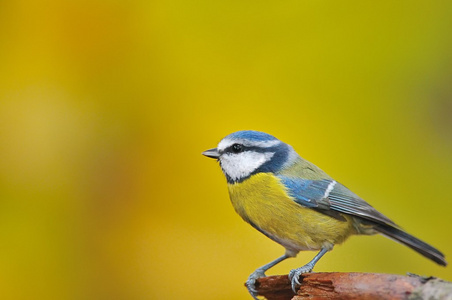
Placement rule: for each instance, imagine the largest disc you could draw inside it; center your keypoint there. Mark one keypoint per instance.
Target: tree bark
(354, 286)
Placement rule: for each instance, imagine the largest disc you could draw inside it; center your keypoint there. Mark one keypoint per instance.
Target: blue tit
(296, 204)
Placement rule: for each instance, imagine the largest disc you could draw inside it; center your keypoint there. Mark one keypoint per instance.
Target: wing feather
(326, 195)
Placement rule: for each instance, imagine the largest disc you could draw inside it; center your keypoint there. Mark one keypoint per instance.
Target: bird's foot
(251, 282)
(294, 275)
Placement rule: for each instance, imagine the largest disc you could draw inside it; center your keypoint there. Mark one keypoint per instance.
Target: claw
(251, 282)
(294, 276)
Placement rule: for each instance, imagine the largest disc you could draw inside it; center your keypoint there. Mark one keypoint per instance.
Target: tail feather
(412, 242)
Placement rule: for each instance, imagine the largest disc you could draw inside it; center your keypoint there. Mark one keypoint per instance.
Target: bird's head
(244, 153)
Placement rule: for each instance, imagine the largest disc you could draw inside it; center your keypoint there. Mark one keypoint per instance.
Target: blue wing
(329, 196)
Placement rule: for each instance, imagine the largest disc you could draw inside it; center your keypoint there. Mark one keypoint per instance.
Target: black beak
(212, 153)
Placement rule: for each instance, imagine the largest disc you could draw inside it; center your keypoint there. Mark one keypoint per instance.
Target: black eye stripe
(230, 149)
(235, 148)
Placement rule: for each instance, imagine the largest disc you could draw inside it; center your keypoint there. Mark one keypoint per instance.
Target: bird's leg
(260, 272)
(294, 274)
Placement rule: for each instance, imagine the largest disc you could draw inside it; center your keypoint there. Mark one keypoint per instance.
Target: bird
(296, 204)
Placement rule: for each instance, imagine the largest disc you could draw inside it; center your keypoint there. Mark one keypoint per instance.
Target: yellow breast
(262, 201)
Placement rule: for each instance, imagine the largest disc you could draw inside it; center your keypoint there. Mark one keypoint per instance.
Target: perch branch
(351, 286)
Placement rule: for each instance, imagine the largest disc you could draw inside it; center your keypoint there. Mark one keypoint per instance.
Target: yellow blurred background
(106, 106)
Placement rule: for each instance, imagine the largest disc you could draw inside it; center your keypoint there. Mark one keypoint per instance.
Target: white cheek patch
(242, 164)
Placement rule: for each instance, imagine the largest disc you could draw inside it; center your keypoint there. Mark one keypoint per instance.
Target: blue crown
(252, 135)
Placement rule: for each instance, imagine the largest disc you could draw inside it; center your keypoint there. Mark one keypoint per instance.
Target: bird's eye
(237, 148)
